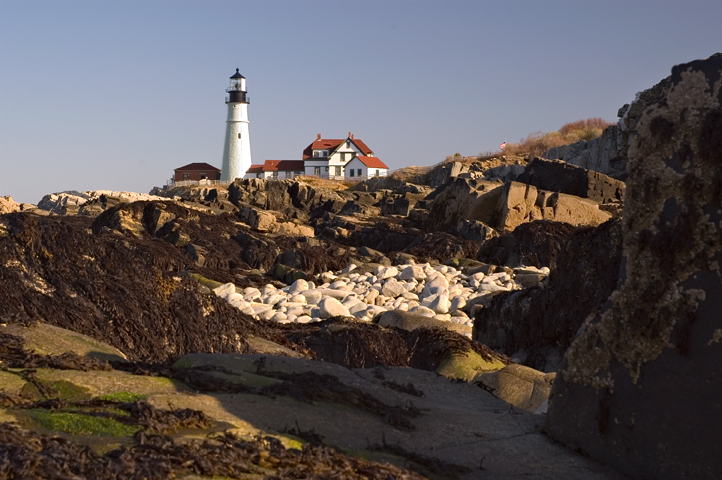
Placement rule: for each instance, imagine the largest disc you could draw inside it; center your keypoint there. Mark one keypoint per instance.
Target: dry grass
(324, 182)
(537, 143)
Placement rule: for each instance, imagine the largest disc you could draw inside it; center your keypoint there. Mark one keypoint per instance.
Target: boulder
(462, 199)
(640, 385)
(257, 218)
(559, 176)
(410, 321)
(519, 203)
(518, 385)
(473, 230)
(330, 307)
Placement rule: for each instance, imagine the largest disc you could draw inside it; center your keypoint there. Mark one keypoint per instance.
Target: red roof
(198, 166)
(255, 169)
(332, 144)
(283, 166)
(372, 162)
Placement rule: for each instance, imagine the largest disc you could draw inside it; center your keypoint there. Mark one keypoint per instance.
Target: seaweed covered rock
(538, 243)
(640, 387)
(542, 321)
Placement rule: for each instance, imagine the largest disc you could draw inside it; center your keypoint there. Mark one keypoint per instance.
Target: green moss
(79, 424)
(206, 282)
(123, 397)
(70, 391)
(466, 366)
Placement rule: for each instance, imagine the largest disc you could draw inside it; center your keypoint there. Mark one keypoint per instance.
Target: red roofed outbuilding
(276, 169)
(196, 172)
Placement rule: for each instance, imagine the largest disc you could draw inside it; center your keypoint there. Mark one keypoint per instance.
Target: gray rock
(640, 387)
(392, 288)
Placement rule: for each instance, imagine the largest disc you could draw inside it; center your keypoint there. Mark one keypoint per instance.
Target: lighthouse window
(239, 135)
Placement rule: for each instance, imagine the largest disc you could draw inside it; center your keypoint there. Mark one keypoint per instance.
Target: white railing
(184, 183)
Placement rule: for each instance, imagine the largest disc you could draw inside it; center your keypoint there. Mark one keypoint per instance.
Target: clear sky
(116, 94)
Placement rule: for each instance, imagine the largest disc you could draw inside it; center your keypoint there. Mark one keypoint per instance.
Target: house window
(203, 175)
(326, 169)
(360, 172)
(338, 171)
(317, 171)
(275, 175)
(343, 157)
(351, 173)
(377, 172)
(186, 176)
(258, 175)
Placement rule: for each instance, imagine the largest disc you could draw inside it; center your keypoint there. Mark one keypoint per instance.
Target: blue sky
(116, 94)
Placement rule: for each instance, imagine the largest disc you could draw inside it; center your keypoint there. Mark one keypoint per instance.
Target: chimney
(350, 135)
(318, 136)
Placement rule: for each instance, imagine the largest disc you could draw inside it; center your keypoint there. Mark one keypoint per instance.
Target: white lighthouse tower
(237, 149)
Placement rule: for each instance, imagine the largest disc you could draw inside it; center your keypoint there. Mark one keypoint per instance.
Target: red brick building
(197, 172)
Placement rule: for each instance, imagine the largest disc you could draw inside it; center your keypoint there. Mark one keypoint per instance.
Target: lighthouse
(237, 148)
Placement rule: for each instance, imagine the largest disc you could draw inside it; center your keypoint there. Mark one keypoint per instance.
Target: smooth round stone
(457, 303)
(421, 310)
(298, 286)
(441, 268)
(440, 304)
(330, 307)
(298, 298)
(279, 318)
(259, 308)
(362, 278)
(415, 272)
(373, 310)
(334, 293)
(359, 307)
(404, 307)
(359, 314)
(224, 290)
(295, 311)
(350, 301)
(398, 302)
(478, 276)
(410, 296)
(313, 296)
(460, 314)
(360, 290)
(353, 277)
(443, 318)
(249, 297)
(304, 319)
(268, 288)
(351, 267)
(387, 272)
(274, 299)
(267, 315)
(291, 318)
(337, 284)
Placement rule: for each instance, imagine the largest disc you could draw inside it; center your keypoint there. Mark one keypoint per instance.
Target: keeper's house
(365, 167)
(196, 172)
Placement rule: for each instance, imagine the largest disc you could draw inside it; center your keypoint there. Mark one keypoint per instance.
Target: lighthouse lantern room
(237, 147)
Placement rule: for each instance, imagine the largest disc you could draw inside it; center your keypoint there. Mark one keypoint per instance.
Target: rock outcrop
(563, 177)
(519, 203)
(608, 154)
(640, 386)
